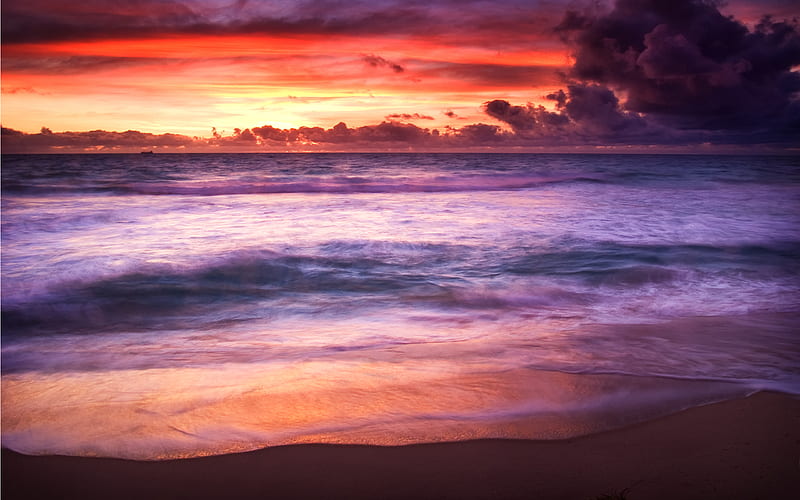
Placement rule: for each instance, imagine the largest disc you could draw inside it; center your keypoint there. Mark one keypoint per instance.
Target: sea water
(163, 306)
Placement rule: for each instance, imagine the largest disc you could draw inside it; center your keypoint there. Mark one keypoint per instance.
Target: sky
(400, 75)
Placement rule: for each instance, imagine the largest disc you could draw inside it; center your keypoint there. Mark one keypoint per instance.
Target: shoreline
(742, 448)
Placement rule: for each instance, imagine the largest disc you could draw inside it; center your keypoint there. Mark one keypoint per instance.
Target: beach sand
(741, 449)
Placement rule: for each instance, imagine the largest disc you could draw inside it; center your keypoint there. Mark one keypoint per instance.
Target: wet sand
(747, 448)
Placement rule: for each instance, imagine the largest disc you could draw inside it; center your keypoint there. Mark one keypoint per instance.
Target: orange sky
(193, 67)
(189, 83)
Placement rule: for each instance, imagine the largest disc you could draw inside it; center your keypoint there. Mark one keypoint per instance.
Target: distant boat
(146, 153)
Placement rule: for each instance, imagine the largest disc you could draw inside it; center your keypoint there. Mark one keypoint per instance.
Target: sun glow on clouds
(438, 74)
(187, 84)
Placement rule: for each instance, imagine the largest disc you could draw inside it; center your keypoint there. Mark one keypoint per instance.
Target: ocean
(180, 305)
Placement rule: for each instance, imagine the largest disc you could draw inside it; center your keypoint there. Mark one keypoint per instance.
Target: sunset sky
(227, 75)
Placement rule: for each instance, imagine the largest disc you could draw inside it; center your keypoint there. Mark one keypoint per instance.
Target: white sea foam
(212, 303)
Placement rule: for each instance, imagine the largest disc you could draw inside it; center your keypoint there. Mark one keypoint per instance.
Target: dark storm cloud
(586, 113)
(597, 110)
(683, 63)
(523, 119)
(480, 134)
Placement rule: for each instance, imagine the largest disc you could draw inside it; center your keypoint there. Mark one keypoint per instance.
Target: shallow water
(183, 305)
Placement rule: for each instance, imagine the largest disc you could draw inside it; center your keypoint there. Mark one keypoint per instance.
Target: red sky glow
(412, 75)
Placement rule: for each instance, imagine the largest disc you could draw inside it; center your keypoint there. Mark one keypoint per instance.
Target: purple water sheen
(183, 305)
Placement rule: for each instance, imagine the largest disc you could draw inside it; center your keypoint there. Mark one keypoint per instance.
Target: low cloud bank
(388, 135)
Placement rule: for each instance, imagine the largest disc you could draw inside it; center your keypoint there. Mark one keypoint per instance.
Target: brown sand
(743, 449)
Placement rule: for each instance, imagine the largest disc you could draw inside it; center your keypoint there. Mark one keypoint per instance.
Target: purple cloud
(686, 65)
(586, 113)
